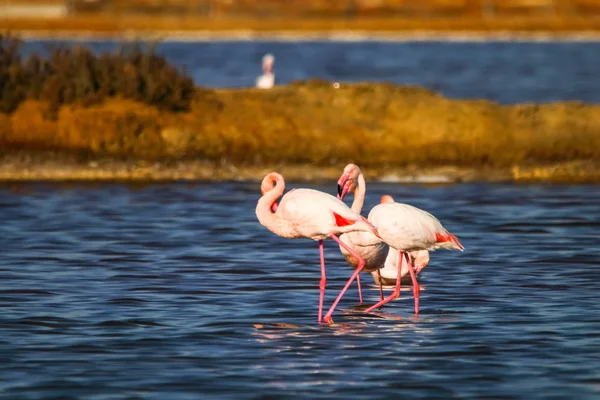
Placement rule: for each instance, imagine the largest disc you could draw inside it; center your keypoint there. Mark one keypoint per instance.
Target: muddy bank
(36, 166)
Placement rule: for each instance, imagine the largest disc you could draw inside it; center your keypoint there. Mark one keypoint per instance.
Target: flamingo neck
(359, 194)
(267, 204)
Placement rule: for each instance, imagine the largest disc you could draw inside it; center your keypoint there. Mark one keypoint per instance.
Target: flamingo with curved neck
(311, 214)
(372, 249)
(402, 227)
(380, 259)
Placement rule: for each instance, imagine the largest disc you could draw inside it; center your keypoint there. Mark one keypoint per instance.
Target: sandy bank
(366, 28)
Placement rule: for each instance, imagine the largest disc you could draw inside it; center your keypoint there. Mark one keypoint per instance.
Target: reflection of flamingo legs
(380, 285)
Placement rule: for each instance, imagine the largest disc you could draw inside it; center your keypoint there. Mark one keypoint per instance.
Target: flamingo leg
(322, 282)
(396, 292)
(380, 285)
(361, 264)
(415, 285)
(359, 289)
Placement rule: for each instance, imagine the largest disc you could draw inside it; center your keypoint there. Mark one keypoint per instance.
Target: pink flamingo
(268, 185)
(387, 275)
(376, 254)
(406, 229)
(307, 213)
(371, 248)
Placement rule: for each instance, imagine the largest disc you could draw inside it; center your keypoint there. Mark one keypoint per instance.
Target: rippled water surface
(508, 72)
(175, 291)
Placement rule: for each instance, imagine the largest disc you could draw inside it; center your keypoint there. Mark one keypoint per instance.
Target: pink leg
(380, 285)
(359, 289)
(396, 293)
(361, 264)
(322, 282)
(415, 286)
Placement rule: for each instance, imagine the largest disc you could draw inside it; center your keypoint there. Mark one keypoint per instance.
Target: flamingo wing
(408, 228)
(312, 212)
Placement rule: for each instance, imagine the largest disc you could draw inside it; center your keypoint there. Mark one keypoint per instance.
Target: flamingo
(311, 214)
(404, 228)
(387, 274)
(371, 248)
(268, 185)
(376, 254)
(267, 79)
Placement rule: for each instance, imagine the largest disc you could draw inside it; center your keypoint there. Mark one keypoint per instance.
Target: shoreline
(323, 36)
(24, 166)
(289, 28)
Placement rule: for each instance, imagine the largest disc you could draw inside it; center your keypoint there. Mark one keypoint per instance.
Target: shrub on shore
(78, 76)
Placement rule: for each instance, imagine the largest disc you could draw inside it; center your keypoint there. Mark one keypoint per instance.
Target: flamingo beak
(343, 186)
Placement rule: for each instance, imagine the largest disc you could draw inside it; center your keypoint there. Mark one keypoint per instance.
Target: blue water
(507, 72)
(175, 291)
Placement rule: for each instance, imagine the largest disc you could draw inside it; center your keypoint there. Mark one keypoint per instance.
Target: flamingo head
(386, 198)
(348, 182)
(267, 62)
(268, 183)
(420, 259)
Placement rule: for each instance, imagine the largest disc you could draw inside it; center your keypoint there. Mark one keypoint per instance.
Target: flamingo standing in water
(268, 185)
(267, 79)
(406, 229)
(387, 274)
(376, 254)
(307, 213)
(371, 248)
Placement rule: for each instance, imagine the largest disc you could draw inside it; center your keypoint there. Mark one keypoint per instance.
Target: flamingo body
(265, 81)
(407, 228)
(308, 213)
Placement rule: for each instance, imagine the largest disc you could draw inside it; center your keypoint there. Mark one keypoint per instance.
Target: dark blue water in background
(175, 291)
(507, 72)
(130, 292)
